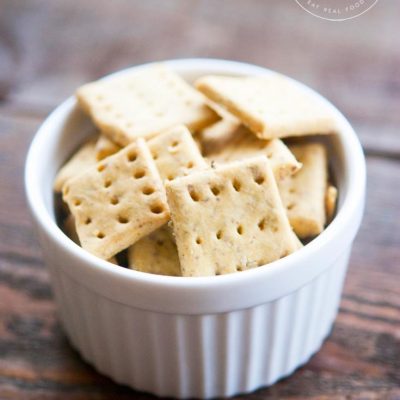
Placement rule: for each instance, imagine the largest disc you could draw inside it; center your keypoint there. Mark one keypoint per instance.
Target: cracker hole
(259, 180)
(77, 202)
(157, 209)
(122, 220)
(292, 190)
(236, 185)
(132, 157)
(190, 164)
(262, 224)
(217, 273)
(101, 167)
(218, 235)
(199, 240)
(173, 149)
(170, 177)
(114, 200)
(148, 190)
(100, 235)
(215, 191)
(240, 230)
(107, 183)
(239, 268)
(155, 156)
(140, 173)
(290, 206)
(88, 221)
(194, 195)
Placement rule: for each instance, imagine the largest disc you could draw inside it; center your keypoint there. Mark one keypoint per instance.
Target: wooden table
(48, 48)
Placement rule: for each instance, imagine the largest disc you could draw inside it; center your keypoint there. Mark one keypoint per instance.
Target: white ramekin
(195, 337)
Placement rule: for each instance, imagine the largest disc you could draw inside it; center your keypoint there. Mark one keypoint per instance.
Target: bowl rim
(351, 208)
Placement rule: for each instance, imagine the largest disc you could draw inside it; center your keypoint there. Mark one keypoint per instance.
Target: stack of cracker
(142, 186)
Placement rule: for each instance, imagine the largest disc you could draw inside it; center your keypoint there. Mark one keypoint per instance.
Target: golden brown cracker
(143, 103)
(81, 160)
(118, 201)
(303, 193)
(271, 106)
(244, 144)
(156, 253)
(229, 219)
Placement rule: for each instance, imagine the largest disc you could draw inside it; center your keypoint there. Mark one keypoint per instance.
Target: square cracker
(244, 144)
(105, 147)
(143, 103)
(271, 106)
(70, 230)
(303, 194)
(175, 153)
(216, 136)
(81, 160)
(118, 201)
(330, 202)
(156, 253)
(228, 219)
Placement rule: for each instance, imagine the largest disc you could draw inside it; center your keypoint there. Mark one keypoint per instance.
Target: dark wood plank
(48, 48)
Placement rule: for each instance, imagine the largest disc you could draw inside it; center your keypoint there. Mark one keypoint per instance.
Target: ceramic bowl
(195, 337)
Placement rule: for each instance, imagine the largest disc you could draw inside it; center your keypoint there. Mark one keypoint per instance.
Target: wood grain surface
(49, 47)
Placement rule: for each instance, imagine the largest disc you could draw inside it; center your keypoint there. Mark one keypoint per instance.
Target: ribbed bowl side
(200, 355)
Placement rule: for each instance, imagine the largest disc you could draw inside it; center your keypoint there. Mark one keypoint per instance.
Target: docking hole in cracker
(178, 184)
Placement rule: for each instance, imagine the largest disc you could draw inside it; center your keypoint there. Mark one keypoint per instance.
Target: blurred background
(49, 47)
